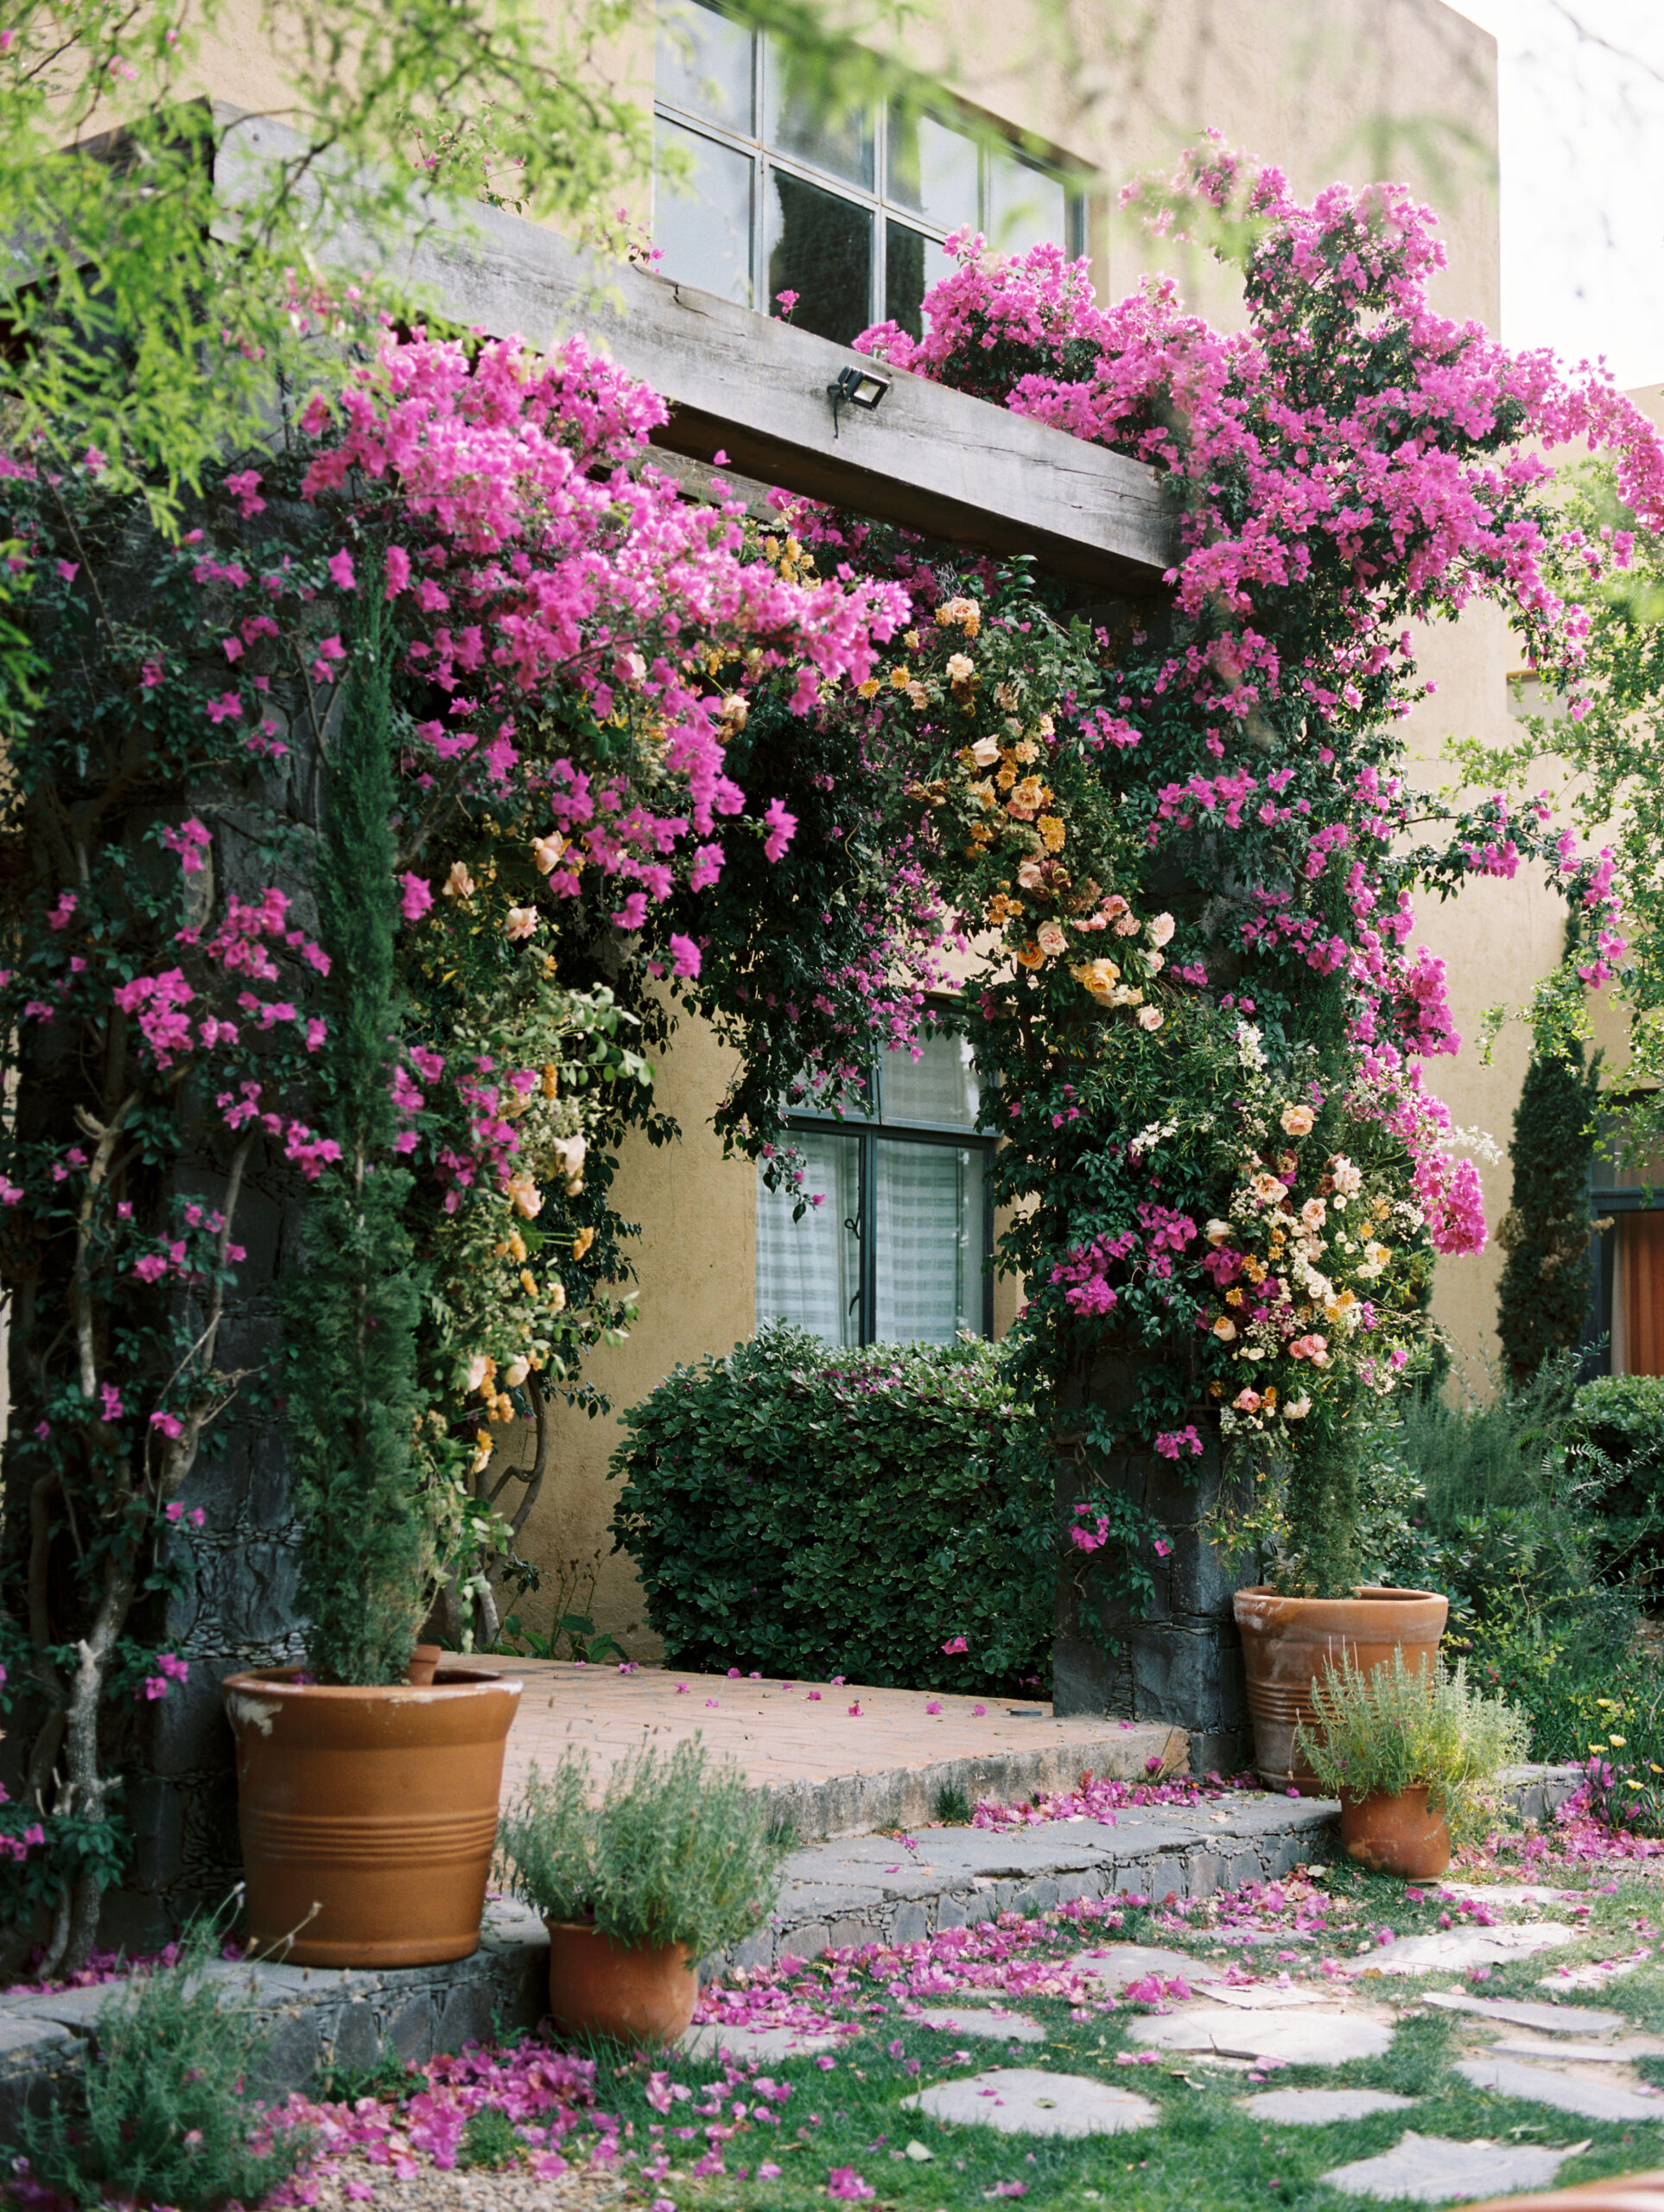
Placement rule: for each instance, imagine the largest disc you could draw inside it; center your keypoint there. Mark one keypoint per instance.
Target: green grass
(1207, 2155)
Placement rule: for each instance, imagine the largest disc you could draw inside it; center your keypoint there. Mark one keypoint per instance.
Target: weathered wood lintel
(931, 459)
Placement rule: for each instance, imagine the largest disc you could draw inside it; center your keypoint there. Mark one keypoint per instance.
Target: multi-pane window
(847, 211)
(1627, 1301)
(897, 1250)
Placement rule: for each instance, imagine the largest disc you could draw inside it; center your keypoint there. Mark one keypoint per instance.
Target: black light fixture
(855, 387)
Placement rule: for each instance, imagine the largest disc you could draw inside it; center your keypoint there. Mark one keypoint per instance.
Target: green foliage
(808, 1511)
(953, 1807)
(159, 2111)
(351, 1317)
(490, 2139)
(1542, 1300)
(1504, 1507)
(131, 289)
(678, 1851)
(1618, 1422)
(1396, 1728)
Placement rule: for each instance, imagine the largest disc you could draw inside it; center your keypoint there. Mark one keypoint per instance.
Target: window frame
(870, 1130)
(881, 209)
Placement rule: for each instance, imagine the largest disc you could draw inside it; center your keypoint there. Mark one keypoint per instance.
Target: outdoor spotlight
(855, 388)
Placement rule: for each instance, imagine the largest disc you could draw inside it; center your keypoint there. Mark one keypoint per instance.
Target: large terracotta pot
(1288, 1641)
(376, 1806)
(1620, 2193)
(598, 1987)
(1396, 1835)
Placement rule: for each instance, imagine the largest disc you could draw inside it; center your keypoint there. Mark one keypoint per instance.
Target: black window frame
(870, 1130)
(878, 201)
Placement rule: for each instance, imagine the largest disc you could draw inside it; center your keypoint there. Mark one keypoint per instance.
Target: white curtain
(928, 1223)
(807, 1271)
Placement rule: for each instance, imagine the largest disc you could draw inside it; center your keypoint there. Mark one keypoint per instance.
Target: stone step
(840, 1894)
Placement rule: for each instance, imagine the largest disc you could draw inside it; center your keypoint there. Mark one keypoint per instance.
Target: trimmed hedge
(806, 1511)
(1621, 1418)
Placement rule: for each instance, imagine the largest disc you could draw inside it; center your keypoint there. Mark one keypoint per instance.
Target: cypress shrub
(1543, 1299)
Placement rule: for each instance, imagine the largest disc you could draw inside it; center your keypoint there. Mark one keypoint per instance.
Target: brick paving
(845, 1758)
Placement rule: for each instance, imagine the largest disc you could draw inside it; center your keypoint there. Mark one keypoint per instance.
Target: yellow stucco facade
(1326, 89)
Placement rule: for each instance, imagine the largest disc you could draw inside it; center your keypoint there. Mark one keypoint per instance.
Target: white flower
(570, 1153)
(1161, 929)
(519, 923)
(985, 753)
(1250, 1049)
(546, 852)
(479, 1367)
(1149, 1017)
(458, 884)
(516, 1373)
(960, 668)
(1217, 1230)
(1296, 1408)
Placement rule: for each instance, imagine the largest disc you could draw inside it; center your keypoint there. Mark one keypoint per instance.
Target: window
(847, 211)
(1627, 1304)
(898, 1250)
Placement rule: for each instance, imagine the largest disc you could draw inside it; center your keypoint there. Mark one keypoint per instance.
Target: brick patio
(838, 1771)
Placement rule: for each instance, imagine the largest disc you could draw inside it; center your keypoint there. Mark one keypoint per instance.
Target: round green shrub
(806, 1511)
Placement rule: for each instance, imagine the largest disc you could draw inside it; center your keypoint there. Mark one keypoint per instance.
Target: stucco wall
(1325, 88)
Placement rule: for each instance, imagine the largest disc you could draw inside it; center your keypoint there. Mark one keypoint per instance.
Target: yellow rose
(1296, 1120)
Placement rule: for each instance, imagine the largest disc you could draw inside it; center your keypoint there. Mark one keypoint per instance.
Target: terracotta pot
(1620, 2193)
(1288, 1643)
(376, 1806)
(1396, 1835)
(423, 1660)
(598, 1987)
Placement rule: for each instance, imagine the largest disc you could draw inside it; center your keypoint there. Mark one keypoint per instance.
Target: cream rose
(1296, 1120)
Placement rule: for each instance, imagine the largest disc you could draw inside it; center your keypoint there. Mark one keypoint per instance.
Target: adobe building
(1048, 109)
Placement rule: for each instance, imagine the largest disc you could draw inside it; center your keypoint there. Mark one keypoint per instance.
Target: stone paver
(708, 2041)
(1570, 2053)
(1028, 2101)
(1595, 1975)
(1462, 1947)
(1526, 2013)
(1321, 2107)
(1311, 2037)
(1434, 2171)
(974, 2020)
(1115, 1965)
(837, 1770)
(1503, 1893)
(1587, 2096)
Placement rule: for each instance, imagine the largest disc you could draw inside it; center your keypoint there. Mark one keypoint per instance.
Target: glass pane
(912, 264)
(808, 1271)
(939, 1090)
(927, 1222)
(1638, 1295)
(705, 227)
(841, 143)
(850, 1098)
(932, 170)
(702, 63)
(1625, 1163)
(1026, 206)
(820, 247)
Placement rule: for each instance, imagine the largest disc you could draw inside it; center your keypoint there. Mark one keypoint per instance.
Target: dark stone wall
(1181, 1662)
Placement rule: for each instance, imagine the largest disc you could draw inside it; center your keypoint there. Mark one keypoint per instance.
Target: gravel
(473, 2189)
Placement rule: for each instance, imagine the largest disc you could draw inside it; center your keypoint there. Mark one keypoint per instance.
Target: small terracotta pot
(1396, 1835)
(423, 1660)
(368, 1816)
(598, 1987)
(1619, 2193)
(1288, 1641)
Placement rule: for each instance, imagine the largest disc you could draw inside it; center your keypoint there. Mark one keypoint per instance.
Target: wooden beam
(927, 458)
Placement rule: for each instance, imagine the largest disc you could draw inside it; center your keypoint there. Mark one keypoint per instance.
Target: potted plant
(1319, 1264)
(1414, 1757)
(678, 1859)
(367, 1804)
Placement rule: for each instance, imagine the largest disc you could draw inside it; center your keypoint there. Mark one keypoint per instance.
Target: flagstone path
(1028, 2101)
